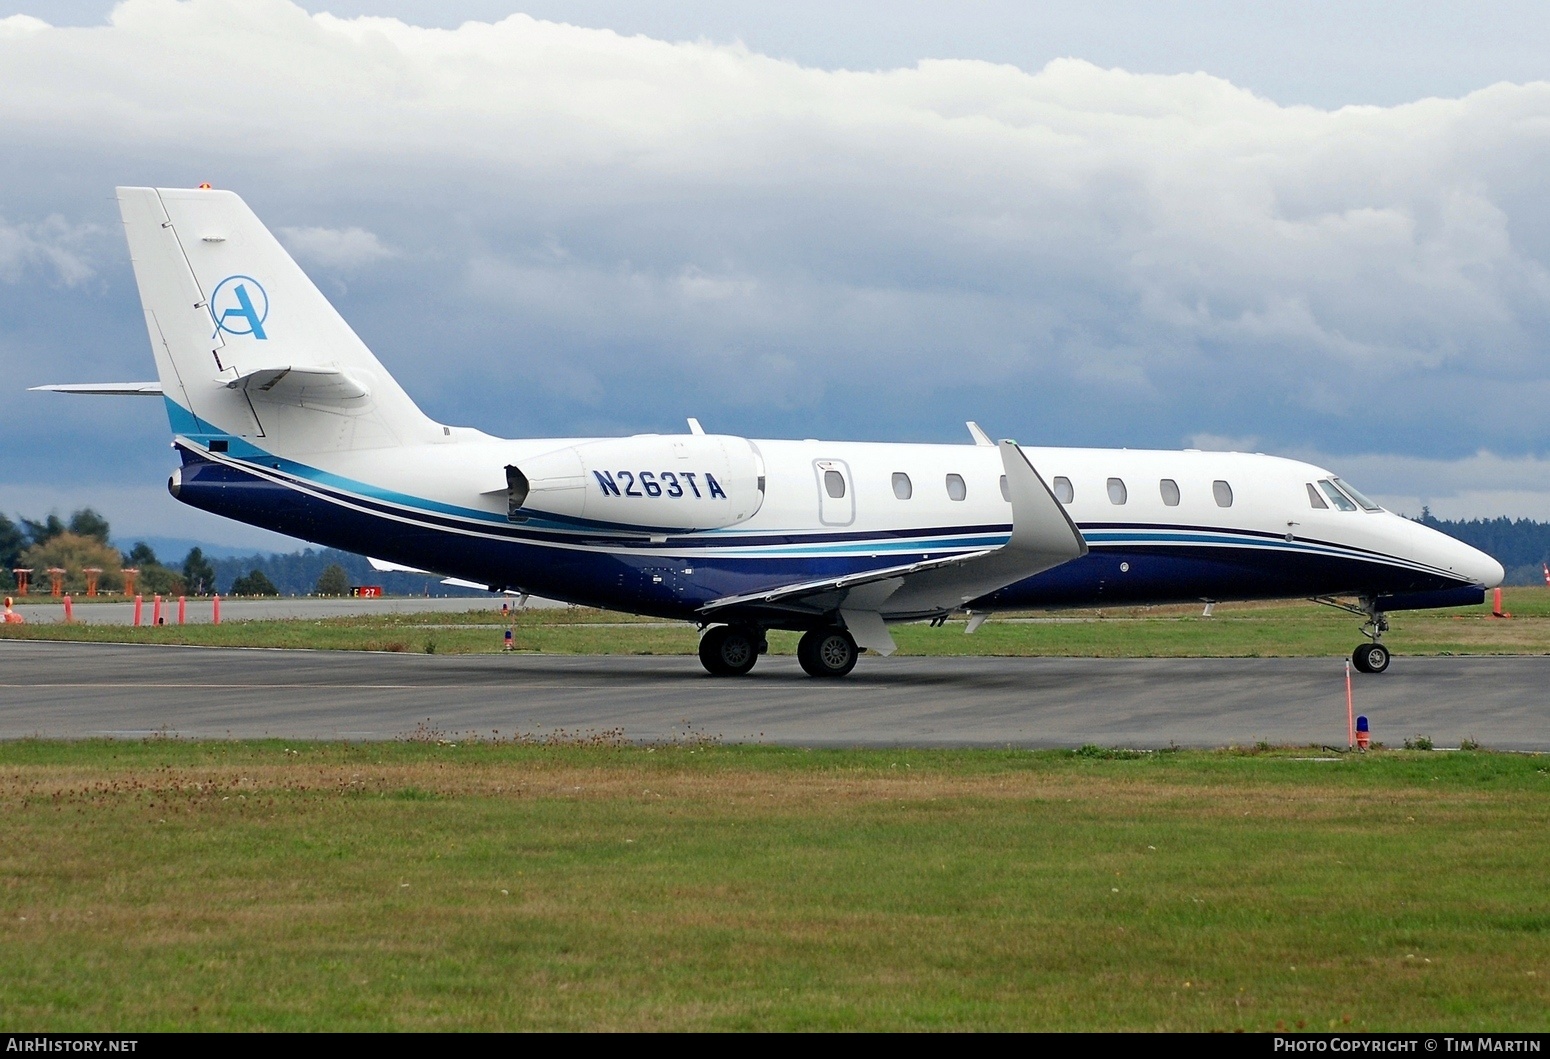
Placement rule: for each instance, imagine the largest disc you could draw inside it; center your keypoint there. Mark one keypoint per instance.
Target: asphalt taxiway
(72, 690)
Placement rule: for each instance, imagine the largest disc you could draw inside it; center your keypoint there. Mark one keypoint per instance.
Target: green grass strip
(441, 884)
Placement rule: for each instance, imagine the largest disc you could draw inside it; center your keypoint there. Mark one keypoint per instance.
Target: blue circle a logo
(240, 305)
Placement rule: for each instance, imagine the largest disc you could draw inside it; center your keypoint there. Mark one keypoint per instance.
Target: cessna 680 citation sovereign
(284, 419)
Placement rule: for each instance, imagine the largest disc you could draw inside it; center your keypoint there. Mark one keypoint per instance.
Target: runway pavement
(82, 690)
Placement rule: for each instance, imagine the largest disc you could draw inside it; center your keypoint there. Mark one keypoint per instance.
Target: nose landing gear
(1370, 657)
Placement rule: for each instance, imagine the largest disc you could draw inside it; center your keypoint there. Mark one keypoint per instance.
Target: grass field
(164, 885)
(1236, 630)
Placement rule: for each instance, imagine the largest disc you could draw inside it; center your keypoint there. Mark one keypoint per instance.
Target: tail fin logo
(240, 305)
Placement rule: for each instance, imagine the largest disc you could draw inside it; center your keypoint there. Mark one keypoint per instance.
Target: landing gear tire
(827, 652)
(729, 651)
(1370, 658)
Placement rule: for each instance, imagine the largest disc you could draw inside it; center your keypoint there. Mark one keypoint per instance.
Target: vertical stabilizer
(246, 345)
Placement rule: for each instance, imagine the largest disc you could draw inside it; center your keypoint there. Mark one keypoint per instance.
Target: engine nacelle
(678, 482)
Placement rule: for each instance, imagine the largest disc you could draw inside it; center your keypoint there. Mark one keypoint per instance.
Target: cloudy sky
(1318, 229)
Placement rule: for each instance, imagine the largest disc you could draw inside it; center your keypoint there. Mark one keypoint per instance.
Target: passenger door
(836, 495)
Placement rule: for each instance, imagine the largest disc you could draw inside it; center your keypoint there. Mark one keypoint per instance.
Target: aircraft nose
(1452, 554)
(1473, 563)
(1484, 569)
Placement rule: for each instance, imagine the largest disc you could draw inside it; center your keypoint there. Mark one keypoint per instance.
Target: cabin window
(1170, 491)
(1336, 497)
(1367, 505)
(1316, 500)
(1223, 493)
(1117, 494)
(1006, 490)
(901, 486)
(1063, 491)
(834, 484)
(956, 490)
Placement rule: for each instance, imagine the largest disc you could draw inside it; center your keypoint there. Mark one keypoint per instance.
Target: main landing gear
(828, 651)
(732, 650)
(1370, 657)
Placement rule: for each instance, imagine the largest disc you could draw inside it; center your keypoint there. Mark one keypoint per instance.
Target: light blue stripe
(242, 450)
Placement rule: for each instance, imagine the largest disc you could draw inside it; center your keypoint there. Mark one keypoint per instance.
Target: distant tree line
(82, 542)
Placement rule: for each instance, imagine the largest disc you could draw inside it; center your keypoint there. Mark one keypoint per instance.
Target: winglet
(981, 438)
(694, 426)
(1040, 524)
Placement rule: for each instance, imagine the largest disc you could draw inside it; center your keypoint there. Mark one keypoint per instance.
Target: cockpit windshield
(1367, 505)
(1336, 497)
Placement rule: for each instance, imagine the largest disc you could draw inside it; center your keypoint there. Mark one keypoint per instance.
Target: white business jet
(284, 419)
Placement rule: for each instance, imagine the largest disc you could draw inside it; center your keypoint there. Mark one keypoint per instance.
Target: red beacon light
(205, 186)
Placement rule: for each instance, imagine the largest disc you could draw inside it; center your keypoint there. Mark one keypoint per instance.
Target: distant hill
(296, 573)
(1520, 545)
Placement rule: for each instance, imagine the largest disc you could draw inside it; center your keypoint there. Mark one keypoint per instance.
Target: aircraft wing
(1043, 536)
(808, 590)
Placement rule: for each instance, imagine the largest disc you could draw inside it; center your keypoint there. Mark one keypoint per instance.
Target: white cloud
(334, 247)
(21, 26)
(52, 246)
(588, 224)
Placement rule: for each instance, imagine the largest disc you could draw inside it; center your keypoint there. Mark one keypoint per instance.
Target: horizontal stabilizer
(382, 566)
(294, 384)
(458, 582)
(106, 389)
